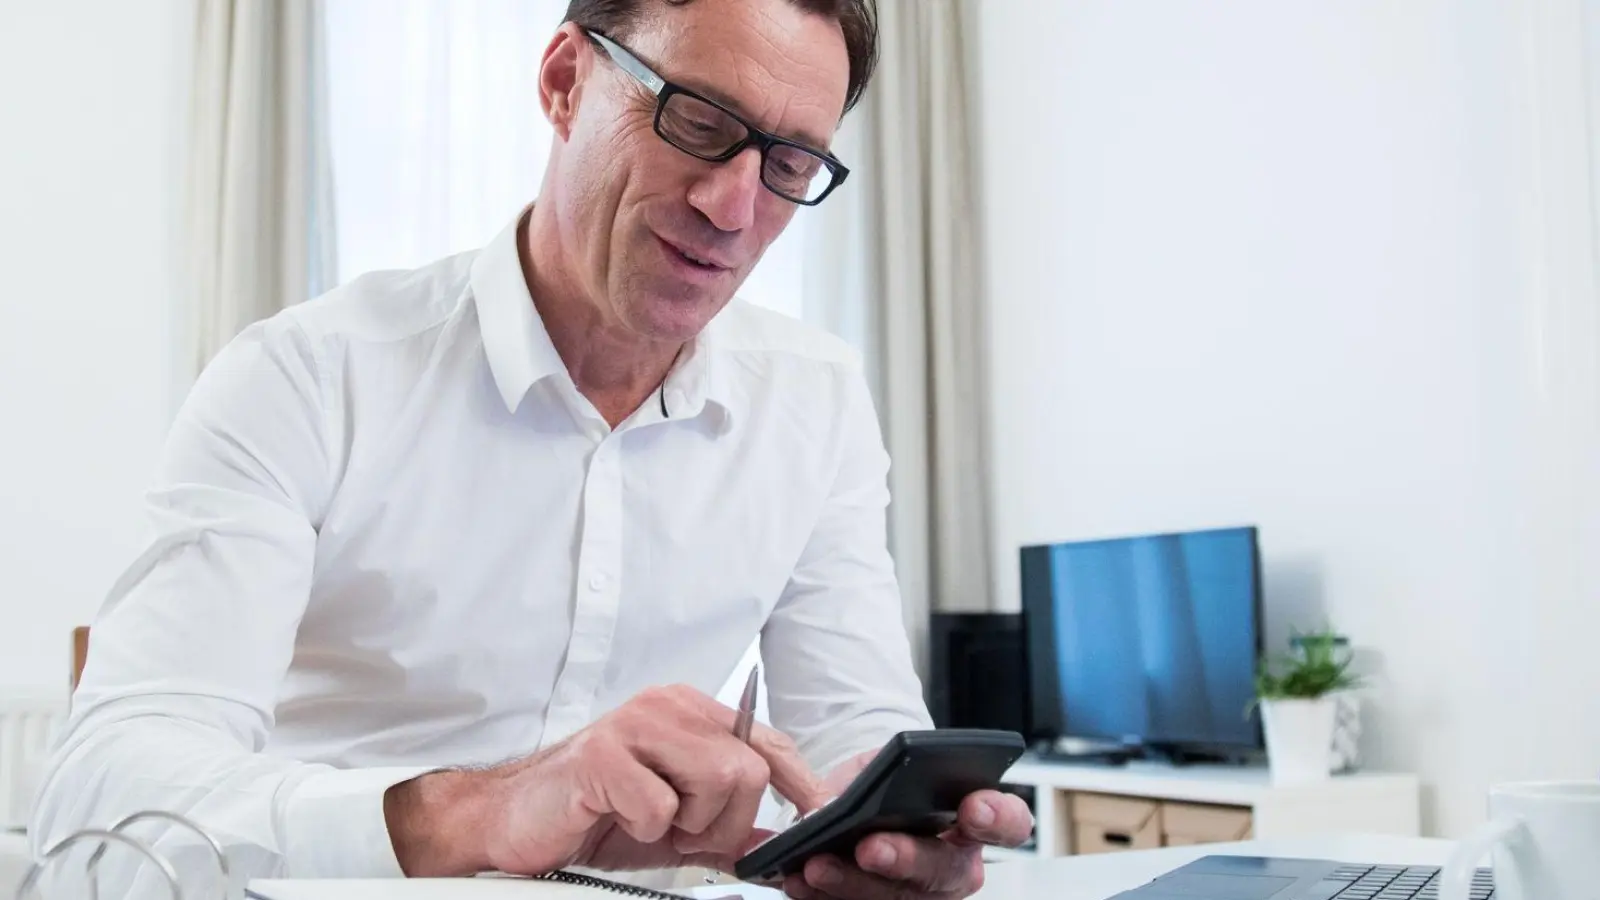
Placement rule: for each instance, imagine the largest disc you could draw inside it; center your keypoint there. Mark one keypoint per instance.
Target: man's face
(632, 208)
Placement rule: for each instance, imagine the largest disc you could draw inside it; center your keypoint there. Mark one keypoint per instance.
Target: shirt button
(598, 582)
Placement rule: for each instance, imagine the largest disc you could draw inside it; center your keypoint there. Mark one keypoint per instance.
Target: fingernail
(829, 874)
(984, 816)
(882, 856)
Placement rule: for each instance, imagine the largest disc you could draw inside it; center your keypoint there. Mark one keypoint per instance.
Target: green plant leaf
(1317, 666)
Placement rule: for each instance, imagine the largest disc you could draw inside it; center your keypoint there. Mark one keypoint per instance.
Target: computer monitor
(1147, 641)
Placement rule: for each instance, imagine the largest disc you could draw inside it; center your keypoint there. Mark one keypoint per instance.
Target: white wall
(92, 96)
(1256, 262)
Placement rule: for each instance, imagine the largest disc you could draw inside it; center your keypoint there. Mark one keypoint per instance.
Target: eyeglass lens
(704, 130)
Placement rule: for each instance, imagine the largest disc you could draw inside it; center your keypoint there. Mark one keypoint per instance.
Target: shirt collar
(521, 354)
(698, 380)
(514, 337)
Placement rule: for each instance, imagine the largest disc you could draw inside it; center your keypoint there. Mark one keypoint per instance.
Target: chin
(677, 318)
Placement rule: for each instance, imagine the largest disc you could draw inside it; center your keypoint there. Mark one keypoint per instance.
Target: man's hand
(901, 867)
(659, 782)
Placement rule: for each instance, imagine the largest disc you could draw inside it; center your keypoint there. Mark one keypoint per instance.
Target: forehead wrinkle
(758, 72)
(759, 82)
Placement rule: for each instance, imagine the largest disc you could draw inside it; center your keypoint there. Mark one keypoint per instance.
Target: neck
(616, 368)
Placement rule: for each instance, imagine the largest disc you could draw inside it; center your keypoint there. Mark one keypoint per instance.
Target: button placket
(597, 595)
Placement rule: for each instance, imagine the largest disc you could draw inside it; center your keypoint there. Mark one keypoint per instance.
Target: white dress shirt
(390, 535)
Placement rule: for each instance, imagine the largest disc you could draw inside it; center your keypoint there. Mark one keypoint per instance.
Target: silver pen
(746, 719)
(743, 722)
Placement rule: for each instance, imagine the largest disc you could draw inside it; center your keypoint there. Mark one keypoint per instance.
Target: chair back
(80, 653)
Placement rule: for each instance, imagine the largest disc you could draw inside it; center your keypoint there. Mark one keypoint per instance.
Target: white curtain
(257, 213)
(901, 272)
(437, 135)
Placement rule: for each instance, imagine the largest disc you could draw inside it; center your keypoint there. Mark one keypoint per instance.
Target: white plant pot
(1299, 739)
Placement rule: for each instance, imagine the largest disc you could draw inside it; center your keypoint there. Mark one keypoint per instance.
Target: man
(427, 546)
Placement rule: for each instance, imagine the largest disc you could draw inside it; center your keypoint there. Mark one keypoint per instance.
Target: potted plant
(1297, 695)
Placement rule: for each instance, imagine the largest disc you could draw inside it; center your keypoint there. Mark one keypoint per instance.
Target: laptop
(1259, 878)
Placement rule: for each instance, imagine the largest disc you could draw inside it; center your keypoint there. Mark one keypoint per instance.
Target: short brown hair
(858, 19)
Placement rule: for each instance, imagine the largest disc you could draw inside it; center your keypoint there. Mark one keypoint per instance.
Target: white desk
(1068, 878)
(1103, 875)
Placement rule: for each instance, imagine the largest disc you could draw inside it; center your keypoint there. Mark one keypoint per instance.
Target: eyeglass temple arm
(629, 62)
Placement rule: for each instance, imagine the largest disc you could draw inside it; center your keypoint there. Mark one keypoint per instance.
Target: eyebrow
(810, 141)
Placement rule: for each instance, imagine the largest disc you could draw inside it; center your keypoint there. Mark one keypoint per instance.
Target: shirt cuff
(334, 825)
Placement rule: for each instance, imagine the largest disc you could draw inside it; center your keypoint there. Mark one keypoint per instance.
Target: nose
(727, 192)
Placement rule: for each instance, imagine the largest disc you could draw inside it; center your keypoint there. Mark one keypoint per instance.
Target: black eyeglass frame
(763, 141)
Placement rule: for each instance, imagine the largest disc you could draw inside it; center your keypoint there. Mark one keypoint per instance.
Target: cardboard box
(1184, 824)
(1102, 823)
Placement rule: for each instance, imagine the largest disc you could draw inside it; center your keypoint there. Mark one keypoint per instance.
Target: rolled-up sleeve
(836, 650)
(190, 647)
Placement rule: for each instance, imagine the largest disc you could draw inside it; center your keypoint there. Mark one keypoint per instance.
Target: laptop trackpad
(1223, 887)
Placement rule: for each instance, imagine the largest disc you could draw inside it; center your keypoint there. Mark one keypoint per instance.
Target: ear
(566, 64)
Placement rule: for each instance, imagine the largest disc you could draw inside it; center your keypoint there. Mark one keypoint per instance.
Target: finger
(993, 817)
(726, 862)
(789, 772)
(839, 777)
(719, 782)
(830, 876)
(824, 874)
(795, 886)
(740, 780)
(931, 864)
(703, 772)
(687, 738)
(732, 830)
(642, 801)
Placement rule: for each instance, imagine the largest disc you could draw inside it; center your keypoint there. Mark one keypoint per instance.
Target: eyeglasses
(710, 131)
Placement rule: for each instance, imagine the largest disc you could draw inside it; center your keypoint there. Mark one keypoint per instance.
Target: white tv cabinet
(1365, 802)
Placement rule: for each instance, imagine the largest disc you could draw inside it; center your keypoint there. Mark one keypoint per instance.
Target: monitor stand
(1179, 756)
(1086, 753)
(1173, 755)
(1108, 758)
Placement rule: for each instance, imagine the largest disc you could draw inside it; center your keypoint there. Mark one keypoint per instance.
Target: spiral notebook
(557, 886)
(554, 886)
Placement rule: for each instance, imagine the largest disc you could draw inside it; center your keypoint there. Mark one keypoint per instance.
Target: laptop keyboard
(1402, 883)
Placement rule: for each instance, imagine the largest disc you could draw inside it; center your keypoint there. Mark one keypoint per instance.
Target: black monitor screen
(1149, 640)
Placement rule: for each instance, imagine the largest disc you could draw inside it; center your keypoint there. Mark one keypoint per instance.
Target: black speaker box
(978, 671)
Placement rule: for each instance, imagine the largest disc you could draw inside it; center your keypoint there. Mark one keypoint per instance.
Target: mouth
(696, 262)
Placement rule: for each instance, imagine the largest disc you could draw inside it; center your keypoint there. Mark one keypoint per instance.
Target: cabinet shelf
(1364, 802)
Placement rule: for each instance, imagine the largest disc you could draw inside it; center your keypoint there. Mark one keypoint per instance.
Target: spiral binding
(616, 887)
(117, 834)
